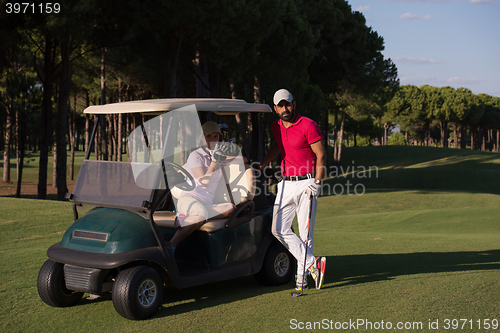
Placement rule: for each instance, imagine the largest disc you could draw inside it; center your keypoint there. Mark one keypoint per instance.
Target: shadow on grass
(358, 269)
(32, 196)
(179, 301)
(341, 271)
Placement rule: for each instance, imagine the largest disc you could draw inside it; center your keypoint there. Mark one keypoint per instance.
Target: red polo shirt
(297, 157)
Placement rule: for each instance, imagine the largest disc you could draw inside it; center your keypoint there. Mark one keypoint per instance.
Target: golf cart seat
(242, 184)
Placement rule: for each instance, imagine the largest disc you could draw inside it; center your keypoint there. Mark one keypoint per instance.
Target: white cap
(210, 127)
(282, 94)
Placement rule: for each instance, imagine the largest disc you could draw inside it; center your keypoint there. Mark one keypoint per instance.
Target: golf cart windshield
(157, 149)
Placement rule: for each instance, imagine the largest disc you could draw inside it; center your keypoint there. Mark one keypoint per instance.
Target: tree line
(428, 116)
(446, 116)
(52, 66)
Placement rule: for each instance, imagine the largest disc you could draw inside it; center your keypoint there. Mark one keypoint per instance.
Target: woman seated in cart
(195, 207)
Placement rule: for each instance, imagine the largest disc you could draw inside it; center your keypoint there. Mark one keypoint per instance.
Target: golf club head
(296, 293)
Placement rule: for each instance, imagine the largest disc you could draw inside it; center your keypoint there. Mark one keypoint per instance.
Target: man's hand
(312, 189)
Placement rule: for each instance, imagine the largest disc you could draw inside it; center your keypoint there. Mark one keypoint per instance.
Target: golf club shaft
(306, 242)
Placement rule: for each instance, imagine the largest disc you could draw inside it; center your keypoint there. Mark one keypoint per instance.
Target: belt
(297, 178)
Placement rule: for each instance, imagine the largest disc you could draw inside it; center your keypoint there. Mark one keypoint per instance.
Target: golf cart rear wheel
(52, 286)
(278, 266)
(137, 292)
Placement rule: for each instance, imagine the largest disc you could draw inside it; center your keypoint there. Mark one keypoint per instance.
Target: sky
(441, 43)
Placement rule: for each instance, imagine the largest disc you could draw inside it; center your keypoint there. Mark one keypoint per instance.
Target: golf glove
(218, 152)
(312, 189)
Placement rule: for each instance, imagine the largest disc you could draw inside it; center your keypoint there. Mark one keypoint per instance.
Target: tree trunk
(427, 134)
(119, 138)
(481, 140)
(133, 153)
(341, 137)
(2, 136)
(6, 145)
(46, 117)
(103, 76)
(72, 134)
(173, 42)
(255, 137)
(111, 133)
(127, 130)
(257, 134)
(201, 77)
(490, 138)
(335, 138)
(386, 132)
(444, 139)
(463, 136)
(97, 146)
(21, 137)
(498, 141)
(77, 130)
(242, 128)
(455, 136)
(104, 139)
(472, 138)
(134, 143)
(115, 136)
(87, 132)
(62, 117)
(446, 135)
(54, 160)
(87, 123)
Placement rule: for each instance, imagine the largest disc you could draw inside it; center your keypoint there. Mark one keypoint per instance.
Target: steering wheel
(177, 176)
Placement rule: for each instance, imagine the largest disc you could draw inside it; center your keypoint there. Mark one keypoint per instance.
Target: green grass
(31, 162)
(396, 168)
(421, 244)
(30, 172)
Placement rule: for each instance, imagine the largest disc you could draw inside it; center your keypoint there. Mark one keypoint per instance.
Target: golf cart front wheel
(51, 286)
(137, 292)
(278, 266)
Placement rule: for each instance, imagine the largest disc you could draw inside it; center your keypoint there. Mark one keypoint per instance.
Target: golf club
(296, 293)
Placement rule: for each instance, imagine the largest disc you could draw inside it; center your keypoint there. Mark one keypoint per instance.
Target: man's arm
(274, 150)
(319, 150)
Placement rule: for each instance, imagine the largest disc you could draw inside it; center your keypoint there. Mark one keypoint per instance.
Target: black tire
(52, 286)
(137, 292)
(278, 266)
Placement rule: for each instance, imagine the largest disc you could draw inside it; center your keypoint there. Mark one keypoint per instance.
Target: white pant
(290, 201)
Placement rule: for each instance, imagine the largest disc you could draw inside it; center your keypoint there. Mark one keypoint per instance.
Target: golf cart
(120, 243)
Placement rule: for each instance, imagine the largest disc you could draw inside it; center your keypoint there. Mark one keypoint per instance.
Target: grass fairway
(419, 246)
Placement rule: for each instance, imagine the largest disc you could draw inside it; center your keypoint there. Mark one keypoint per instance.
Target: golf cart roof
(220, 106)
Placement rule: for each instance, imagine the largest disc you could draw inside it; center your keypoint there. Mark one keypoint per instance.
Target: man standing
(298, 139)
